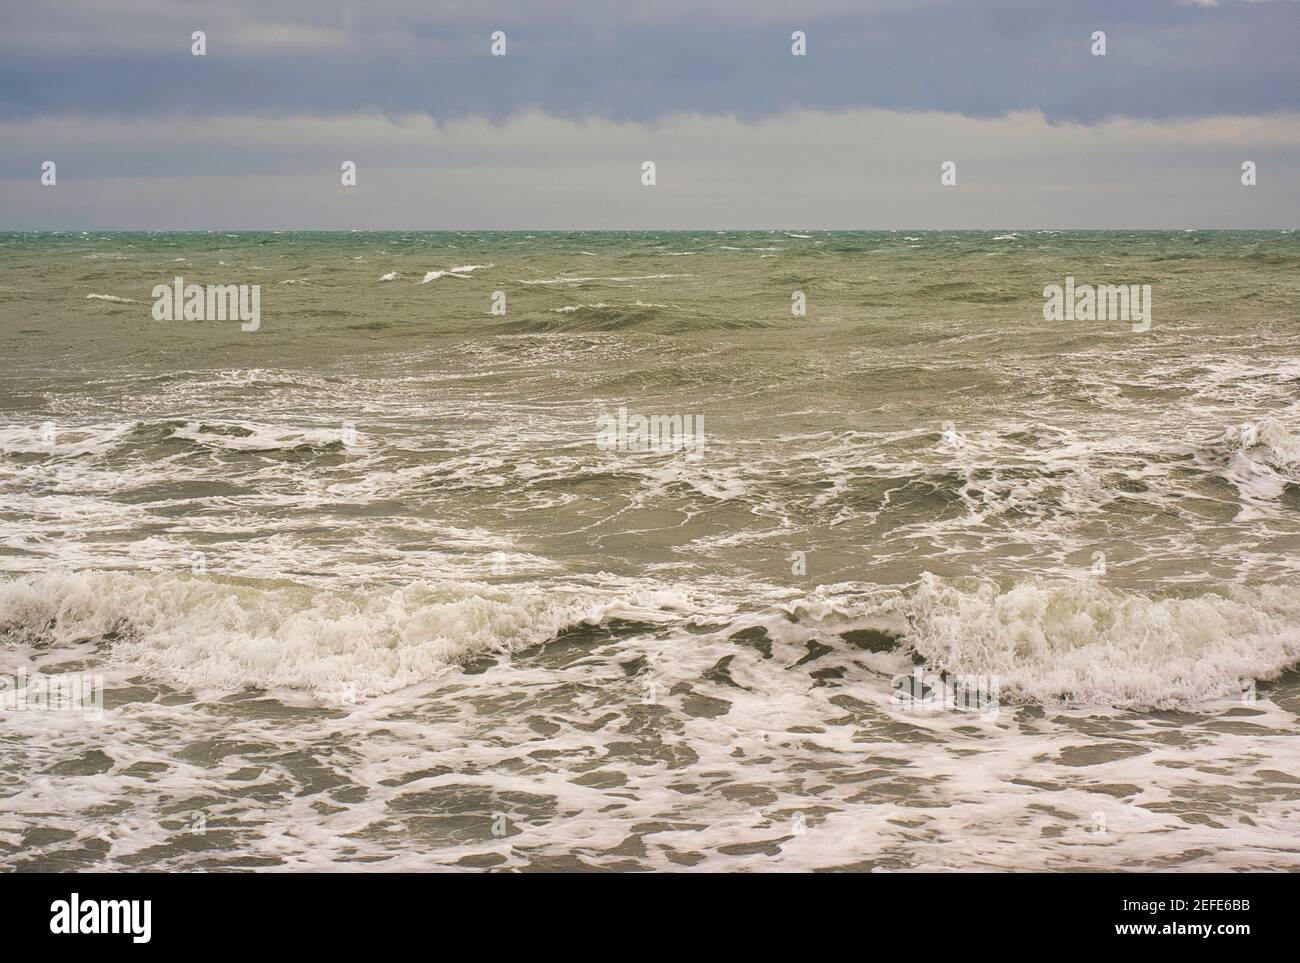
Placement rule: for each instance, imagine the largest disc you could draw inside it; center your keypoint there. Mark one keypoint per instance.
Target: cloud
(643, 61)
(553, 134)
(802, 168)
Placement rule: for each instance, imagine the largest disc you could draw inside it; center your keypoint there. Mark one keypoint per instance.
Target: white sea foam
(1083, 642)
(456, 272)
(205, 633)
(1260, 459)
(1282, 445)
(110, 297)
(250, 436)
(63, 441)
(1080, 642)
(1256, 480)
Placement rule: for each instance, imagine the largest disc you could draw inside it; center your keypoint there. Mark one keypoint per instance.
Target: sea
(750, 551)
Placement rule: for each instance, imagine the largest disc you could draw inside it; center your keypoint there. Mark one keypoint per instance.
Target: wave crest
(1082, 642)
(336, 644)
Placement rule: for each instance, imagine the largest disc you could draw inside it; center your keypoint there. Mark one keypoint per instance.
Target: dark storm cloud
(639, 62)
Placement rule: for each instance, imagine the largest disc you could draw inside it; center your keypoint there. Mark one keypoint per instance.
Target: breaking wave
(208, 633)
(1085, 643)
(1053, 642)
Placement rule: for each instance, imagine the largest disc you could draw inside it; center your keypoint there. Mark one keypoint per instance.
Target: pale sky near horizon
(553, 135)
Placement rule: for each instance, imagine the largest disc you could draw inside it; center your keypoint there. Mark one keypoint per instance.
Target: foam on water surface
(363, 590)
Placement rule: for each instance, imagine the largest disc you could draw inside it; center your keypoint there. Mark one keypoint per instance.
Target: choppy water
(365, 591)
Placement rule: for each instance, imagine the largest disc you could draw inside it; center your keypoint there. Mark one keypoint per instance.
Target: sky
(554, 134)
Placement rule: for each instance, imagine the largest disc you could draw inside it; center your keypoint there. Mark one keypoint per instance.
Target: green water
(369, 566)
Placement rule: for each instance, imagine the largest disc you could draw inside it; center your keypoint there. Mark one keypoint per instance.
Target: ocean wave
(1072, 642)
(616, 316)
(1083, 642)
(1261, 459)
(1064, 642)
(584, 280)
(589, 317)
(456, 272)
(55, 440)
(1281, 445)
(252, 437)
(339, 644)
